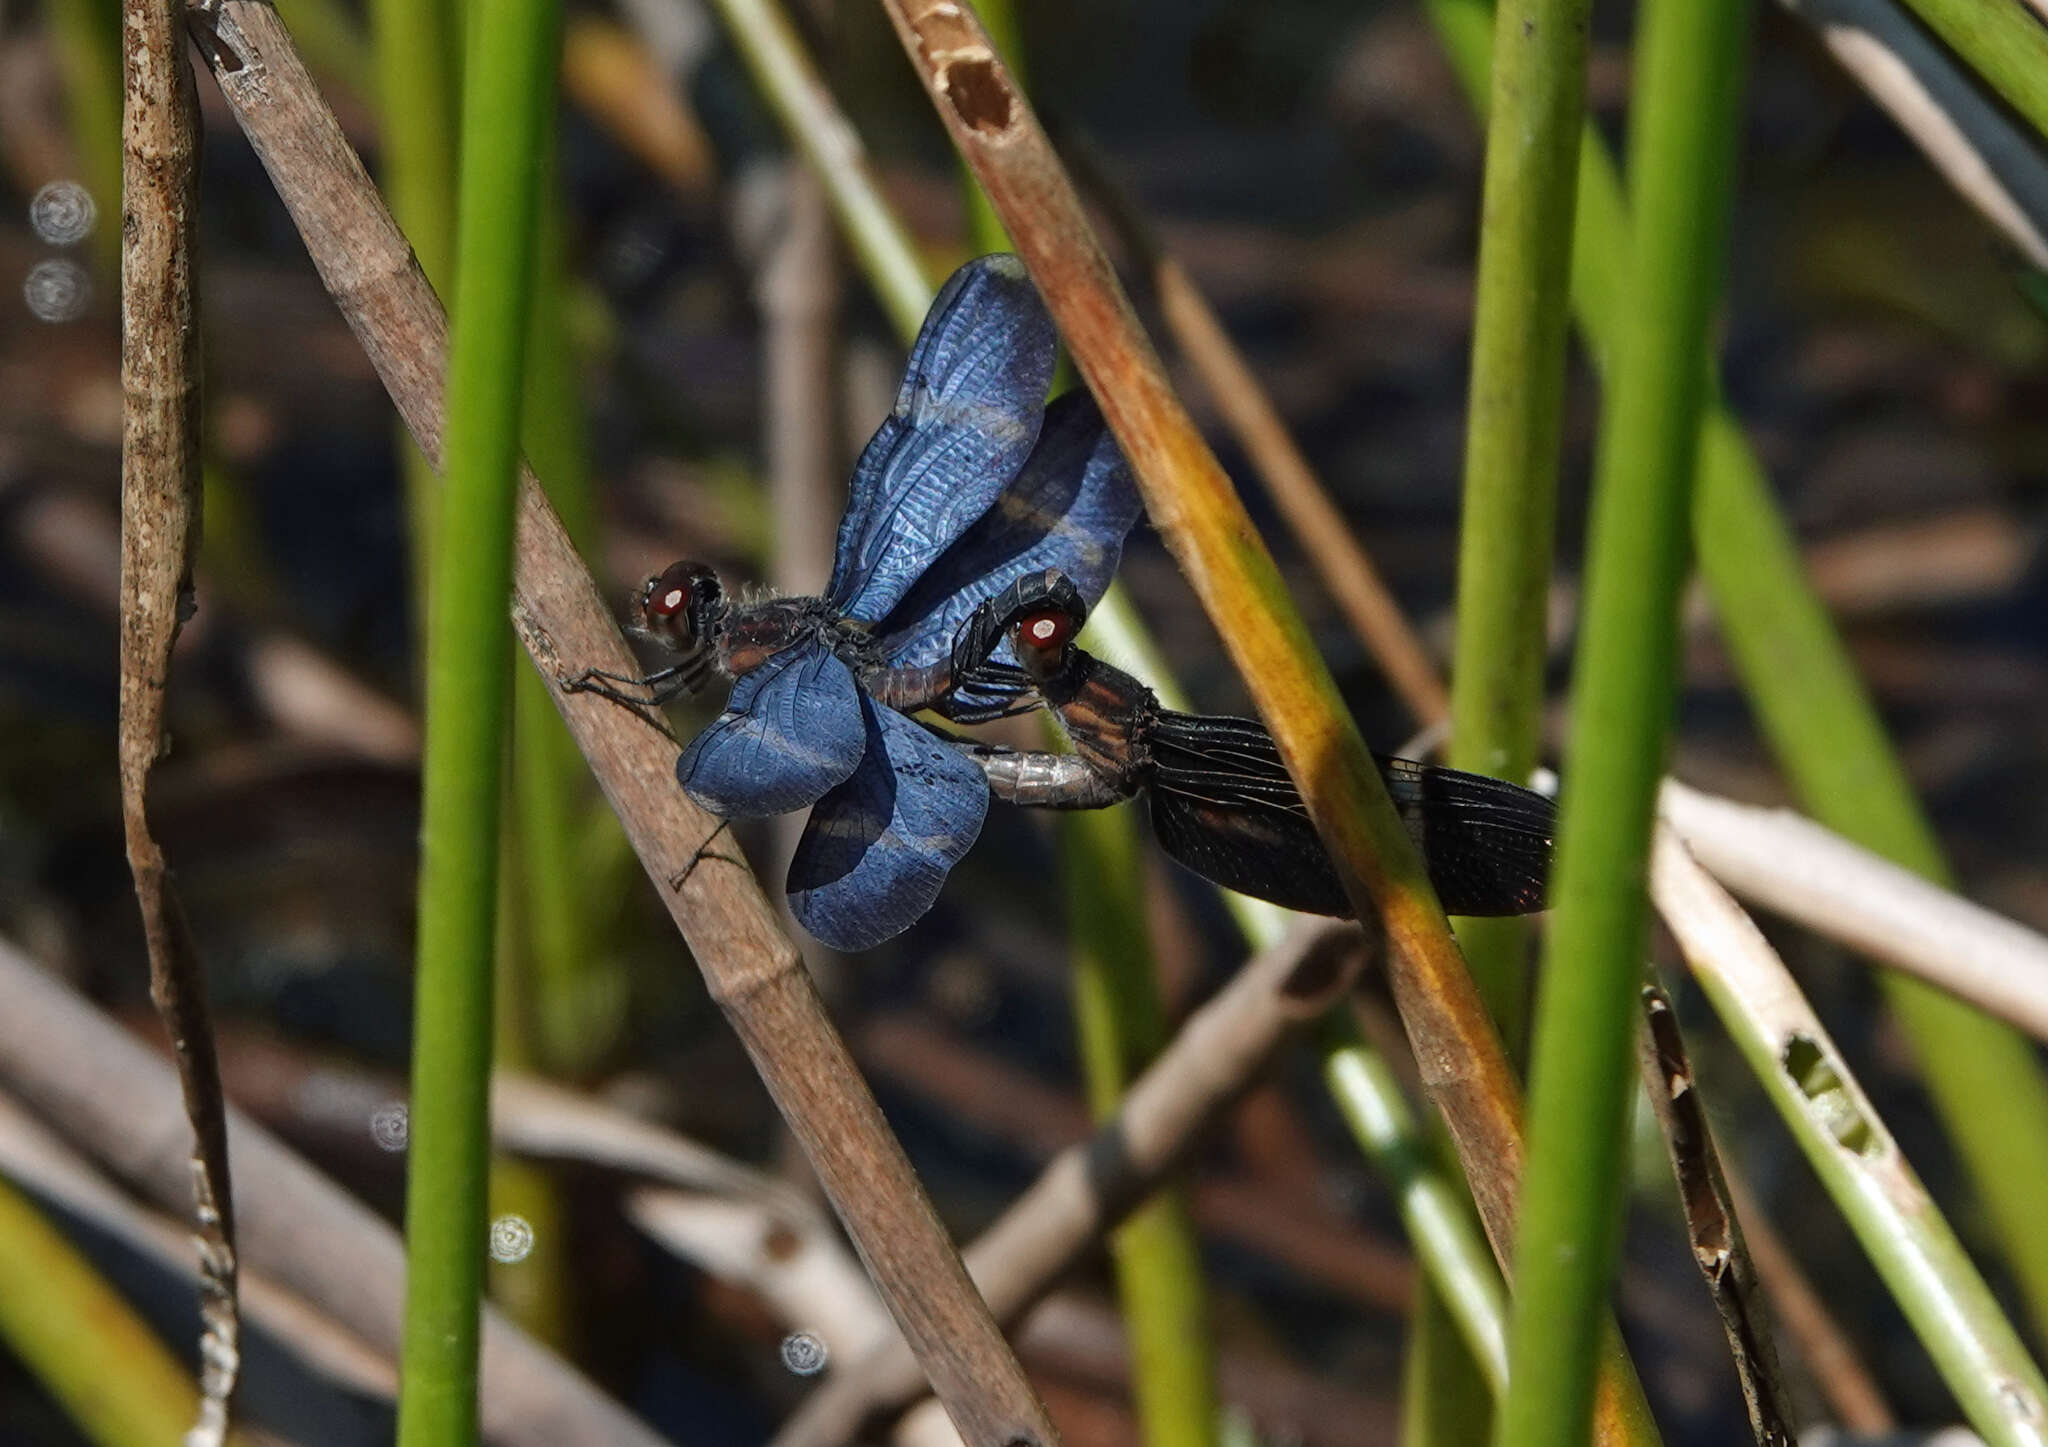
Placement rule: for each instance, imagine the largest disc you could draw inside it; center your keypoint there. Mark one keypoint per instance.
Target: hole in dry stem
(980, 94)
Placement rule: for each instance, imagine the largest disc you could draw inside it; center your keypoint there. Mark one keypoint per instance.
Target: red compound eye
(667, 603)
(669, 594)
(1044, 630)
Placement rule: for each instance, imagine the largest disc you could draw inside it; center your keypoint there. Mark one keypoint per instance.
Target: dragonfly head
(1042, 632)
(681, 606)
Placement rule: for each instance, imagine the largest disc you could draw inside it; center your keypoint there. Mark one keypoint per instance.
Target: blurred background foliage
(1316, 168)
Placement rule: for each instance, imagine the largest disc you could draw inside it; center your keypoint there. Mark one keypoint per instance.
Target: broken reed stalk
(1718, 1248)
(750, 966)
(1845, 1383)
(160, 490)
(1901, 1229)
(1088, 1188)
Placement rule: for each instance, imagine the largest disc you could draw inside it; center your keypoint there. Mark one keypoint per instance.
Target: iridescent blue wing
(1069, 509)
(879, 846)
(791, 731)
(972, 400)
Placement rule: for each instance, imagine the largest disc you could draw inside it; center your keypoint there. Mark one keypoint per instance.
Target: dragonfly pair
(978, 519)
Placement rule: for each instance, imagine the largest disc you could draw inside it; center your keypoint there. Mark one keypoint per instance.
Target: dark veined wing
(972, 400)
(790, 732)
(1487, 842)
(878, 847)
(1068, 509)
(1223, 804)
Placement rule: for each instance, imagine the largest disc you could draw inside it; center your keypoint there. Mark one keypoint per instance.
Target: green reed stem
(508, 109)
(1683, 125)
(1517, 393)
(1821, 724)
(1512, 425)
(1437, 1215)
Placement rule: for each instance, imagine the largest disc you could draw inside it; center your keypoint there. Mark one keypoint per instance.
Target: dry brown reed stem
(104, 1091)
(1346, 570)
(750, 966)
(796, 288)
(1198, 513)
(1089, 1188)
(1831, 1360)
(159, 539)
(1711, 1227)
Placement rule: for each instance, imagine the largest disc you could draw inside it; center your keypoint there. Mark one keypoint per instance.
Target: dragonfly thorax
(750, 634)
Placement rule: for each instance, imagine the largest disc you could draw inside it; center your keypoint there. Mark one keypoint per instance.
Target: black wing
(1486, 841)
(1224, 805)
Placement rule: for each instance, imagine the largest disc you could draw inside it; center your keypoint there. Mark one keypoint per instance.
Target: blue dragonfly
(970, 483)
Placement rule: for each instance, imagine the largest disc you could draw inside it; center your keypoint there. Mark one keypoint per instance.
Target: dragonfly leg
(1046, 781)
(662, 685)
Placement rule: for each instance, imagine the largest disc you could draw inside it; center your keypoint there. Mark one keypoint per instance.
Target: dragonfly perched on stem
(971, 482)
(1221, 800)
